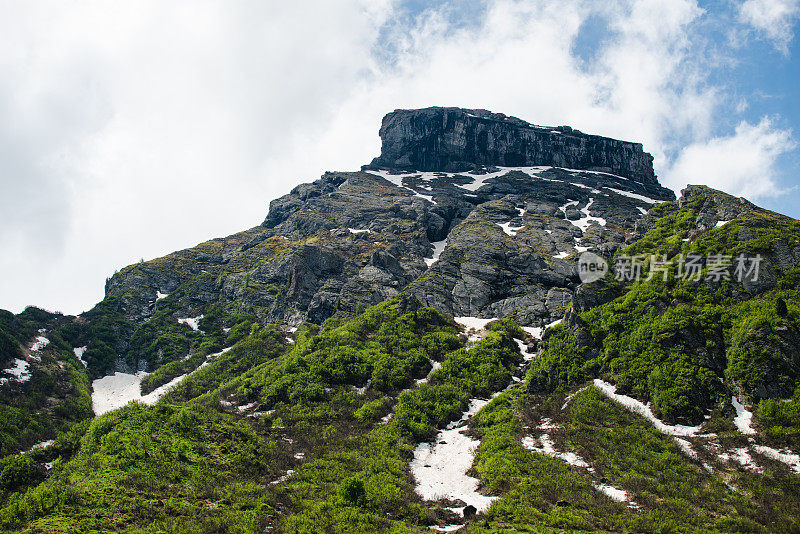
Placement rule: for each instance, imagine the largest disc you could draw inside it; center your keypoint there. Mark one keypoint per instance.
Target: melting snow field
(535, 331)
(42, 445)
(549, 449)
(743, 421)
(434, 366)
(567, 205)
(742, 456)
(397, 179)
(523, 349)
(615, 494)
(440, 468)
(117, 390)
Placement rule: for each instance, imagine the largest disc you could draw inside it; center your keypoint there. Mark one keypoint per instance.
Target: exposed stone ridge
(455, 139)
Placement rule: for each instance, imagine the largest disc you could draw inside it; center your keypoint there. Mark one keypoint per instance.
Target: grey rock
(454, 139)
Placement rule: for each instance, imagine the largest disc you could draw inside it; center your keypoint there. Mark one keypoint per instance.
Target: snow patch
(743, 419)
(633, 195)
(397, 179)
(584, 186)
(41, 342)
(787, 457)
(440, 467)
(686, 448)
(554, 323)
(567, 205)
(570, 397)
(613, 493)
(547, 447)
(446, 528)
(584, 222)
(438, 248)
(644, 410)
(192, 322)
(508, 229)
(743, 458)
(360, 230)
(246, 407)
(535, 331)
(434, 366)
(160, 295)
(117, 390)
(722, 223)
(42, 445)
(283, 478)
(79, 352)
(481, 179)
(523, 349)
(473, 325)
(20, 372)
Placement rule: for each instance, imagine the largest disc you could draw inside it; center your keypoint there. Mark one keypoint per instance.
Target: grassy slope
(193, 464)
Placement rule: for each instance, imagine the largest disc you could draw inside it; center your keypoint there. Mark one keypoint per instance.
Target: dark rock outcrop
(454, 139)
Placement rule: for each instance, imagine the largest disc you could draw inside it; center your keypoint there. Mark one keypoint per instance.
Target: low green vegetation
(673, 342)
(666, 492)
(171, 468)
(54, 396)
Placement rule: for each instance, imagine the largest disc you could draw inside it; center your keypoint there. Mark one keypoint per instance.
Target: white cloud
(134, 129)
(140, 128)
(741, 164)
(644, 85)
(774, 19)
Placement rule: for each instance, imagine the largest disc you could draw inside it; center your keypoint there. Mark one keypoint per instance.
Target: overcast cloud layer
(136, 128)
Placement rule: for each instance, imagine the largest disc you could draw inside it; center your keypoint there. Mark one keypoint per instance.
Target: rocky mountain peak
(457, 140)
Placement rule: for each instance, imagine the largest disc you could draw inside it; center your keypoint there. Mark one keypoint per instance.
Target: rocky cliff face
(454, 139)
(463, 232)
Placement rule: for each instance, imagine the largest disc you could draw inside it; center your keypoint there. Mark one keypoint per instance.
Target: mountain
(425, 344)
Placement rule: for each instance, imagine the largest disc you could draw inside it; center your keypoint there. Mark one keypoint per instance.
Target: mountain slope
(415, 347)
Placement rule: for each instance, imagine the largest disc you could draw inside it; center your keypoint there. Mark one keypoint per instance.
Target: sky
(129, 130)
